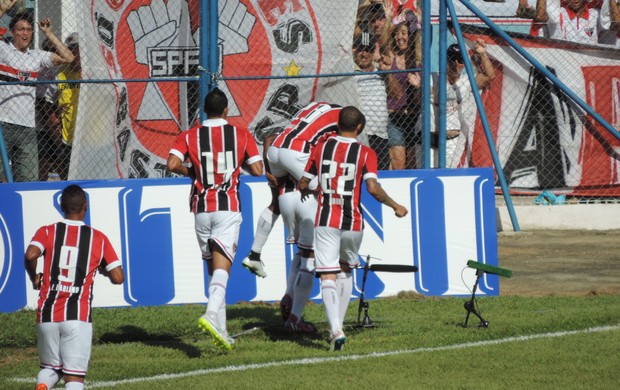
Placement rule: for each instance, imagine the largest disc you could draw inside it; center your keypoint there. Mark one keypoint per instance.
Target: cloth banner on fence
(545, 140)
(131, 125)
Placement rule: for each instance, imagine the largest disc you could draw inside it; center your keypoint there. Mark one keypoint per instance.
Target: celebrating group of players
(315, 168)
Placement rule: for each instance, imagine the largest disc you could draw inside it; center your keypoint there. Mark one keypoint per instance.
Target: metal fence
(135, 84)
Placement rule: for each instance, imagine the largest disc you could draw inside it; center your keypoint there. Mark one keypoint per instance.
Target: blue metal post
(214, 65)
(208, 48)
(204, 53)
(483, 116)
(426, 83)
(542, 69)
(5, 158)
(443, 66)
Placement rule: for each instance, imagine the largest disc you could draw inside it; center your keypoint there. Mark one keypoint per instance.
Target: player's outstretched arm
(375, 189)
(116, 275)
(256, 169)
(30, 259)
(175, 165)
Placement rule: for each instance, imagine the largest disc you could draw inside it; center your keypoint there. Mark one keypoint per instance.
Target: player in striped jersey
(217, 151)
(287, 156)
(73, 252)
(341, 163)
(290, 150)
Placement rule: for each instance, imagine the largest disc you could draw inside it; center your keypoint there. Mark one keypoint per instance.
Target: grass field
(532, 342)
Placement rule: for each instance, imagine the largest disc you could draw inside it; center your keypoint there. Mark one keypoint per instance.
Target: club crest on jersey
(23, 75)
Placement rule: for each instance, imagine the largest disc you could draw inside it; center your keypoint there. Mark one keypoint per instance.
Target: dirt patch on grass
(560, 262)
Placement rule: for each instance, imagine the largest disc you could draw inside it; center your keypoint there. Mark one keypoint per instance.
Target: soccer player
(266, 221)
(217, 151)
(287, 157)
(73, 252)
(341, 163)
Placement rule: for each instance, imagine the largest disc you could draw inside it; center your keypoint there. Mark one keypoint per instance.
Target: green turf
(418, 343)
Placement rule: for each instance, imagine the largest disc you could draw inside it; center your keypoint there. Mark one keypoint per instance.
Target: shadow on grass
(265, 317)
(130, 333)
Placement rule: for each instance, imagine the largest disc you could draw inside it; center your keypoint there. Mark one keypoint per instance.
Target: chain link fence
(134, 83)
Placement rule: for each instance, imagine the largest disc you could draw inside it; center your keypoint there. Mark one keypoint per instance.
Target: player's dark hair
(215, 103)
(350, 117)
(21, 15)
(73, 199)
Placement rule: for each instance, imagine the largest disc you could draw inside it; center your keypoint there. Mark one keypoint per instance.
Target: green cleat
(219, 339)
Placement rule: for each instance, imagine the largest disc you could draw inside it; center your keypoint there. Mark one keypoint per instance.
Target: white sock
(217, 293)
(265, 223)
(221, 319)
(303, 288)
(74, 385)
(292, 275)
(332, 305)
(49, 377)
(344, 286)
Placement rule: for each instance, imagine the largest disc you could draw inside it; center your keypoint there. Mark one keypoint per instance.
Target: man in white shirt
(19, 63)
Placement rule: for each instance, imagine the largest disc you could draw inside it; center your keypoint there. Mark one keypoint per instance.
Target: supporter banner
(132, 124)
(544, 140)
(451, 221)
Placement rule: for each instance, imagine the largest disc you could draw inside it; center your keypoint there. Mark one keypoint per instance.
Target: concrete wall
(573, 217)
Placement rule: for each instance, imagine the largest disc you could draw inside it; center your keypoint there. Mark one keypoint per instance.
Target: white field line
(339, 358)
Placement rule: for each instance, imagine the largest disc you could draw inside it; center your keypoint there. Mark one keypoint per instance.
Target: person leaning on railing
(17, 101)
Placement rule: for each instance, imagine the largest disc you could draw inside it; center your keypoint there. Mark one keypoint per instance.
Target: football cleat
(285, 307)
(41, 386)
(295, 325)
(337, 341)
(219, 339)
(254, 266)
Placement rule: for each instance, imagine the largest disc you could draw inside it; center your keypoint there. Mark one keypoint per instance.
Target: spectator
(525, 10)
(460, 104)
(68, 102)
(610, 23)
(215, 168)
(47, 120)
(339, 221)
(375, 21)
(64, 314)
(571, 21)
(374, 99)
(17, 101)
(404, 93)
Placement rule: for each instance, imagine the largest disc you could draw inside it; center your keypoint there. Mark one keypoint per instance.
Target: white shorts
(284, 162)
(332, 246)
(299, 217)
(219, 228)
(65, 346)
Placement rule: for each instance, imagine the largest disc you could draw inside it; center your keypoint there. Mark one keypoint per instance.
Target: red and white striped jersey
(72, 252)
(313, 123)
(341, 164)
(217, 151)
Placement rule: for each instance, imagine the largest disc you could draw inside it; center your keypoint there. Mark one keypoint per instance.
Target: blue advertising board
(451, 220)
